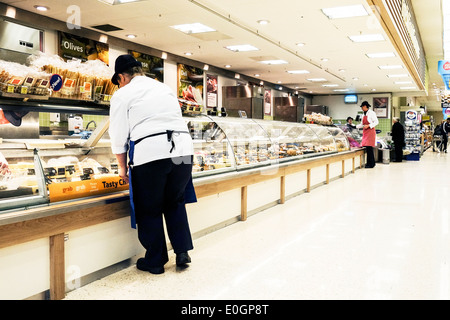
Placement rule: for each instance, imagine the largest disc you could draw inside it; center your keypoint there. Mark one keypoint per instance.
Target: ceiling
(290, 22)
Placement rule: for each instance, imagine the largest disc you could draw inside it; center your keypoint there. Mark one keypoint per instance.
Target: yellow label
(10, 88)
(77, 189)
(24, 90)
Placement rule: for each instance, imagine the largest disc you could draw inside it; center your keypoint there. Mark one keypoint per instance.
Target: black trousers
(370, 157)
(158, 189)
(398, 147)
(444, 142)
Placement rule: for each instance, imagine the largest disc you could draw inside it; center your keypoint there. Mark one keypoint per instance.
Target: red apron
(369, 135)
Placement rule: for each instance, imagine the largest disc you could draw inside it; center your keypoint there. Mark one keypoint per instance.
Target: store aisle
(380, 233)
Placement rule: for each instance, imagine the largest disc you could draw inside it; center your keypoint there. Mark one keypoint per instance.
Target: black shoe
(183, 259)
(141, 264)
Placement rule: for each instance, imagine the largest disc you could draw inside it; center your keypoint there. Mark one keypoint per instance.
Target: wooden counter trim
(273, 172)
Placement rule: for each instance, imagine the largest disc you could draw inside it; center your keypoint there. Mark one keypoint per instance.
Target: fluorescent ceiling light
(193, 28)
(403, 82)
(340, 90)
(397, 75)
(367, 38)
(407, 88)
(330, 85)
(381, 55)
(114, 2)
(298, 71)
(345, 12)
(390, 67)
(242, 48)
(274, 62)
(317, 79)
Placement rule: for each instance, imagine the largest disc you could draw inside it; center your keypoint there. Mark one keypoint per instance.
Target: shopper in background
(445, 132)
(398, 136)
(369, 122)
(146, 121)
(350, 125)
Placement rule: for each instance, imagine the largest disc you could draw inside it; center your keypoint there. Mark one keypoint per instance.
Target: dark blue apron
(189, 194)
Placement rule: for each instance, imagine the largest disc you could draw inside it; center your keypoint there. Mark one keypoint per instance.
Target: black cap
(123, 63)
(15, 117)
(349, 118)
(365, 103)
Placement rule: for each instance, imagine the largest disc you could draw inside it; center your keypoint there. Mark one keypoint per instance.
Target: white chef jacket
(144, 107)
(371, 117)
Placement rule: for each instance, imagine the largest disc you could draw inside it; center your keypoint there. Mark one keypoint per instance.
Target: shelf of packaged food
(54, 105)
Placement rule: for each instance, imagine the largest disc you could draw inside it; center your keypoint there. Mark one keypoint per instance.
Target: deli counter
(52, 169)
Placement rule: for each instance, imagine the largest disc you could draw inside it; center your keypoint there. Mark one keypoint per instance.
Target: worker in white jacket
(146, 122)
(368, 124)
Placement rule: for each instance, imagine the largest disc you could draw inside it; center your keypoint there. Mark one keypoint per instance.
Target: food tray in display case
(212, 151)
(291, 140)
(250, 143)
(342, 143)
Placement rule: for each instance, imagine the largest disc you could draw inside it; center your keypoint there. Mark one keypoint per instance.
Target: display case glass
(212, 150)
(340, 138)
(249, 141)
(51, 168)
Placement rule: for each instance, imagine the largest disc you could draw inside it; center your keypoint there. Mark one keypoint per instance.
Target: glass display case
(51, 168)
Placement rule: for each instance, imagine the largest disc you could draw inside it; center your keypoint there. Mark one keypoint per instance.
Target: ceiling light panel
(242, 48)
(381, 55)
(367, 38)
(190, 28)
(390, 67)
(274, 62)
(298, 71)
(345, 12)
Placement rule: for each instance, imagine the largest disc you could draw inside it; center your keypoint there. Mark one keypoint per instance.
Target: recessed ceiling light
(355, 79)
(274, 62)
(367, 38)
(317, 79)
(298, 71)
(390, 67)
(188, 54)
(131, 36)
(345, 12)
(164, 55)
(300, 44)
(193, 28)
(263, 22)
(341, 70)
(397, 75)
(41, 8)
(324, 59)
(381, 55)
(256, 75)
(227, 66)
(242, 48)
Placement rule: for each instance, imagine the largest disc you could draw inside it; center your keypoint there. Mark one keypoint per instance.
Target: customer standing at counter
(445, 132)
(146, 121)
(398, 136)
(369, 122)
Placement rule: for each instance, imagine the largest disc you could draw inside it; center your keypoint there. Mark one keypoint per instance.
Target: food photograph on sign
(190, 83)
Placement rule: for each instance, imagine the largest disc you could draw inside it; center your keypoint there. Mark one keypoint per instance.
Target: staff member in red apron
(369, 122)
(146, 122)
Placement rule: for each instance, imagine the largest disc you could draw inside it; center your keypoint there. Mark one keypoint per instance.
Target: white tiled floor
(380, 233)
